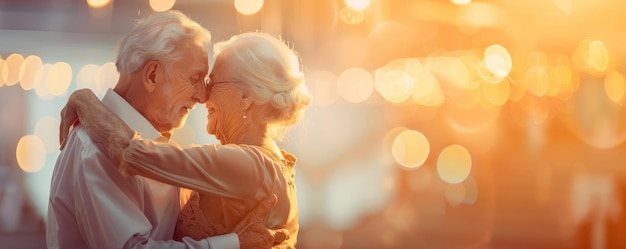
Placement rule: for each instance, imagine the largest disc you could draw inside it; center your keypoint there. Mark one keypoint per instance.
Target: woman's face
(223, 103)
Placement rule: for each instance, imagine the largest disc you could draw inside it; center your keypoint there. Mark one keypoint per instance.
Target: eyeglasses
(209, 84)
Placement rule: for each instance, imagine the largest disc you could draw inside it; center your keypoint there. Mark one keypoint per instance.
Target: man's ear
(151, 74)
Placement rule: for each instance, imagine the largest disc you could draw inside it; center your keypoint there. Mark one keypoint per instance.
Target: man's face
(182, 89)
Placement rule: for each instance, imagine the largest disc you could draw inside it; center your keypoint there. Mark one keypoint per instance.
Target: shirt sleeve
(231, 171)
(109, 217)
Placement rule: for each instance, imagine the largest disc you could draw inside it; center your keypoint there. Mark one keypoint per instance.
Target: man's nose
(201, 95)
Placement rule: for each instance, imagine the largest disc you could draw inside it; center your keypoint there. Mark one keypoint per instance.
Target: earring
(244, 114)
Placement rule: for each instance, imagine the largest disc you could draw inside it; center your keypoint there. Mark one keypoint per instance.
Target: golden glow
(411, 149)
(537, 80)
(162, 5)
(30, 153)
(323, 87)
(591, 56)
(98, 3)
(358, 5)
(47, 130)
(497, 94)
(614, 86)
(59, 78)
(389, 140)
(467, 99)
(498, 60)
(11, 69)
(106, 77)
(248, 7)
(350, 16)
(426, 88)
(458, 68)
(461, 2)
(454, 164)
(28, 72)
(395, 86)
(566, 6)
(355, 84)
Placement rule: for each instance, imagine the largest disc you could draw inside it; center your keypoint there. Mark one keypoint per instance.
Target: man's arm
(110, 208)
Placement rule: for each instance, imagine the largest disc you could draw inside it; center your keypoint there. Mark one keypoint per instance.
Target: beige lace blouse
(228, 181)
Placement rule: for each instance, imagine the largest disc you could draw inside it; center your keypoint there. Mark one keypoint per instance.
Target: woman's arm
(231, 171)
(107, 130)
(228, 171)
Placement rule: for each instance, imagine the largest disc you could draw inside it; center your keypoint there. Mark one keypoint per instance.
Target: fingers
(257, 215)
(279, 235)
(263, 209)
(63, 128)
(69, 118)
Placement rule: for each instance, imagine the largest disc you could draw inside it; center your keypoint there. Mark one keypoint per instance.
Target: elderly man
(162, 64)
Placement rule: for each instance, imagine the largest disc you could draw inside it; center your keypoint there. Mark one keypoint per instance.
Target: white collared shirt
(92, 205)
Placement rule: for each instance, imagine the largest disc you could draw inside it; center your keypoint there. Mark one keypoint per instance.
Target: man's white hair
(156, 38)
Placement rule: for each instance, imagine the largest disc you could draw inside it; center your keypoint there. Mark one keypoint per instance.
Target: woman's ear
(245, 102)
(152, 72)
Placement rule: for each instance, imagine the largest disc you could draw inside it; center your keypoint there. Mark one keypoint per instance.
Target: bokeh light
(98, 3)
(106, 77)
(498, 60)
(162, 5)
(28, 72)
(248, 7)
(358, 5)
(454, 164)
(11, 69)
(411, 149)
(355, 84)
(30, 153)
(41, 76)
(1, 66)
(59, 78)
(591, 56)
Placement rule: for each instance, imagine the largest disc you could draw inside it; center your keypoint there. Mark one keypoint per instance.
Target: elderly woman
(256, 90)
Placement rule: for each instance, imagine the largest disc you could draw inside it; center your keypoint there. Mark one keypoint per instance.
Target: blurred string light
(42, 89)
(498, 60)
(98, 3)
(355, 84)
(567, 6)
(454, 164)
(28, 72)
(248, 7)
(410, 149)
(591, 56)
(30, 153)
(162, 5)
(461, 2)
(59, 78)
(358, 5)
(11, 69)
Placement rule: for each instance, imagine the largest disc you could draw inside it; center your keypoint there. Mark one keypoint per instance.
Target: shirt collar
(129, 115)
